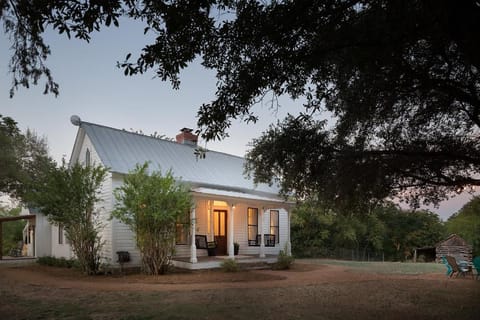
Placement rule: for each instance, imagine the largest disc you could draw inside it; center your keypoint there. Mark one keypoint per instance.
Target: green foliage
(229, 265)
(10, 138)
(284, 261)
(321, 232)
(12, 230)
(24, 159)
(400, 82)
(150, 204)
(466, 223)
(69, 197)
(407, 230)
(310, 229)
(57, 262)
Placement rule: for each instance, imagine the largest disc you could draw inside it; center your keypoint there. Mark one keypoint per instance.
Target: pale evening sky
(92, 87)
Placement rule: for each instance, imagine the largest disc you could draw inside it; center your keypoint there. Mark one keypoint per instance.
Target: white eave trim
(233, 195)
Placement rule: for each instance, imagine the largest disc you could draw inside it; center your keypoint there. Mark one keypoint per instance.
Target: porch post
(1, 241)
(262, 240)
(289, 244)
(230, 232)
(212, 224)
(193, 248)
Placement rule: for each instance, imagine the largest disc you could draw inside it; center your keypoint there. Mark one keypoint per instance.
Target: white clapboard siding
(103, 207)
(123, 237)
(60, 250)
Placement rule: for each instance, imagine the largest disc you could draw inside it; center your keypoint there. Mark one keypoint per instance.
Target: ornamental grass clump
(284, 261)
(230, 265)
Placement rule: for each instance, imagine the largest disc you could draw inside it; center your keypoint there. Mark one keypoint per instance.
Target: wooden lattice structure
(454, 246)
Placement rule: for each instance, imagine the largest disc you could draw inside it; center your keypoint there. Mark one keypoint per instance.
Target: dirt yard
(308, 291)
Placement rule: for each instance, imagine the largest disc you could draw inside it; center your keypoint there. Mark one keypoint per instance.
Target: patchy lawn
(313, 289)
(405, 268)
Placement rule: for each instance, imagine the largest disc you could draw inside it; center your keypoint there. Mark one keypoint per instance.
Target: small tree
(150, 205)
(68, 197)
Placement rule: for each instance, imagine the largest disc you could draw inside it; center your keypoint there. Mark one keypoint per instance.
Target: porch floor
(206, 262)
(9, 259)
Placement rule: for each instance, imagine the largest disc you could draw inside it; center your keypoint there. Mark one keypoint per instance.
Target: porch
(206, 262)
(258, 225)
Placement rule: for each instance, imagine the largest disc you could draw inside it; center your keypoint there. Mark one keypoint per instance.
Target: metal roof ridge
(129, 132)
(157, 139)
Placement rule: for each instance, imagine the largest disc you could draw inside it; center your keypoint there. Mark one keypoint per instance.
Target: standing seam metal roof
(121, 151)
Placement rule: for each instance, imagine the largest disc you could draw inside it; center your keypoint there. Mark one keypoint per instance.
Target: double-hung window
(60, 234)
(182, 229)
(252, 226)
(274, 225)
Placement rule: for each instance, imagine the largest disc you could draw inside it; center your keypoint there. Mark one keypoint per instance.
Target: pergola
(7, 219)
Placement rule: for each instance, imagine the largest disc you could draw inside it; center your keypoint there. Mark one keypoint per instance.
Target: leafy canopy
(400, 80)
(320, 231)
(151, 204)
(466, 223)
(24, 159)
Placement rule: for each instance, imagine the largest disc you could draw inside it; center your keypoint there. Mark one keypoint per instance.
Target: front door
(220, 231)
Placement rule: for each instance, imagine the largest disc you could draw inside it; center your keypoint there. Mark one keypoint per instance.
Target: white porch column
(212, 224)
(193, 248)
(231, 254)
(262, 237)
(289, 244)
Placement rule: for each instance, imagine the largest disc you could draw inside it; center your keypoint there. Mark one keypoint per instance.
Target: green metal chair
(449, 268)
(476, 264)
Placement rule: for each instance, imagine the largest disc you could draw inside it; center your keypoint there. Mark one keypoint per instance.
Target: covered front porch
(258, 224)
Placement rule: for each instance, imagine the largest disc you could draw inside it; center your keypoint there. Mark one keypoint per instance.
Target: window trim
(61, 239)
(252, 242)
(186, 227)
(88, 159)
(277, 227)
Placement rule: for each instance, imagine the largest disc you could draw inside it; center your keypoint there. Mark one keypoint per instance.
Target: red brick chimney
(187, 137)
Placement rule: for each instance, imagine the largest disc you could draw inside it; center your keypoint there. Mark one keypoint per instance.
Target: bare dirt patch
(307, 291)
(299, 274)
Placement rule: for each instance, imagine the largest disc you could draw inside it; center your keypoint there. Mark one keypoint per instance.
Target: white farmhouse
(229, 208)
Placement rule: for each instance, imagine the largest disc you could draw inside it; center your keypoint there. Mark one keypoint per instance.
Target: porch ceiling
(23, 217)
(239, 196)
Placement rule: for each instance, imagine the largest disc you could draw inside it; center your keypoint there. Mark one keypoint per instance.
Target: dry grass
(313, 290)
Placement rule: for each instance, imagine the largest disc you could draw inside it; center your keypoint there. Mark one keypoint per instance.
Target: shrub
(68, 196)
(152, 204)
(57, 262)
(230, 265)
(284, 261)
